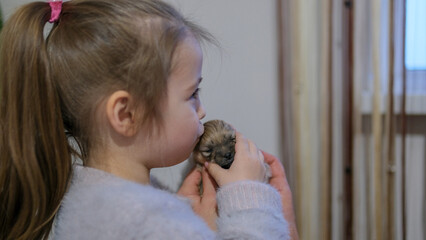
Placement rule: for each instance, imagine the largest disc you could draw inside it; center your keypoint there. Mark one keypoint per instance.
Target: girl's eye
(196, 93)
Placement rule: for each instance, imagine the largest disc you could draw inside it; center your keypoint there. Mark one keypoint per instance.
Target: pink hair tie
(56, 6)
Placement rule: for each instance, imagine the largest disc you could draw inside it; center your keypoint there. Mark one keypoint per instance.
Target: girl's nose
(201, 111)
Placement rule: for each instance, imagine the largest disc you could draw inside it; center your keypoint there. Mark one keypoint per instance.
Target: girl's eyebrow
(198, 82)
(192, 86)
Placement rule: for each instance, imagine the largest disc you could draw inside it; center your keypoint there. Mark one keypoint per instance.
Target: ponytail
(35, 159)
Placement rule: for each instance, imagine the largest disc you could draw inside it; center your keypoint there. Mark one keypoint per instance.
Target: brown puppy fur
(217, 144)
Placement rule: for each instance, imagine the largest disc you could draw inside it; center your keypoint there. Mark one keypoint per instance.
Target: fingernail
(206, 164)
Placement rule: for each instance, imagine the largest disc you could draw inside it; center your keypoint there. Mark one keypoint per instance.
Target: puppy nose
(228, 155)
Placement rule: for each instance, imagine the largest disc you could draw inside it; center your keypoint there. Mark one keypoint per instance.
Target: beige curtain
(306, 83)
(354, 135)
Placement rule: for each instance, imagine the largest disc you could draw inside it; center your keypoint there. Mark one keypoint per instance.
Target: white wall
(8, 6)
(240, 80)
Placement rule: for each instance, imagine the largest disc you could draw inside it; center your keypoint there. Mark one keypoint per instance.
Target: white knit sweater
(99, 205)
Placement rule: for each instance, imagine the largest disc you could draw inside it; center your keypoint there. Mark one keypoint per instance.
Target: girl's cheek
(200, 130)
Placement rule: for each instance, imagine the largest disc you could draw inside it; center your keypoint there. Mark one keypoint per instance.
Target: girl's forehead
(187, 51)
(186, 66)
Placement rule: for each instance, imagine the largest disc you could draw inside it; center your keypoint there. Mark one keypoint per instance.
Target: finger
(209, 184)
(190, 183)
(253, 148)
(241, 143)
(277, 169)
(269, 158)
(262, 158)
(215, 171)
(278, 178)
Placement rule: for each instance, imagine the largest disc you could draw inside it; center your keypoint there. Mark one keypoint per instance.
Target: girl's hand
(204, 205)
(247, 165)
(279, 181)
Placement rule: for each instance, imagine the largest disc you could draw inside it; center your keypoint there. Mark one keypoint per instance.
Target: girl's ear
(121, 113)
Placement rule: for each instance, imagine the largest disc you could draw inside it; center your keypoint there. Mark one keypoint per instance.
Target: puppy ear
(121, 113)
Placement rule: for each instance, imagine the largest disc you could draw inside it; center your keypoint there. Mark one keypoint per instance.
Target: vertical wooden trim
(281, 79)
(284, 91)
(390, 128)
(296, 103)
(305, 66)
(403, 128)
(377, 122)
(326, 118)
(348, 97)
(338, 128)
(330, 119)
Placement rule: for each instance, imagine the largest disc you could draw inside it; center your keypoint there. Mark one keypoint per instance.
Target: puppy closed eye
(206, 154)
(205, 151)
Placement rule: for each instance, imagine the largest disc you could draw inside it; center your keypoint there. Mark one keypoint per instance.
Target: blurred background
(337, 90)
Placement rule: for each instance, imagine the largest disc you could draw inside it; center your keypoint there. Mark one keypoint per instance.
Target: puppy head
(217, 144)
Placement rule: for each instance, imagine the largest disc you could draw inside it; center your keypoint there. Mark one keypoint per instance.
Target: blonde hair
(50, 88)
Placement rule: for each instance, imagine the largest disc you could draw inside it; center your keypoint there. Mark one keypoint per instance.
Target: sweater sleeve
(250, 210)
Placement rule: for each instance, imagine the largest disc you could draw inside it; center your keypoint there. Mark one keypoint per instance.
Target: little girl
(116, 83)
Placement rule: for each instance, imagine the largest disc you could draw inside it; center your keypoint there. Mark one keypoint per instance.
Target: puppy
(217, 144)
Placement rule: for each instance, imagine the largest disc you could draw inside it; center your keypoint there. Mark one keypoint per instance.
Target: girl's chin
(178, 161)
